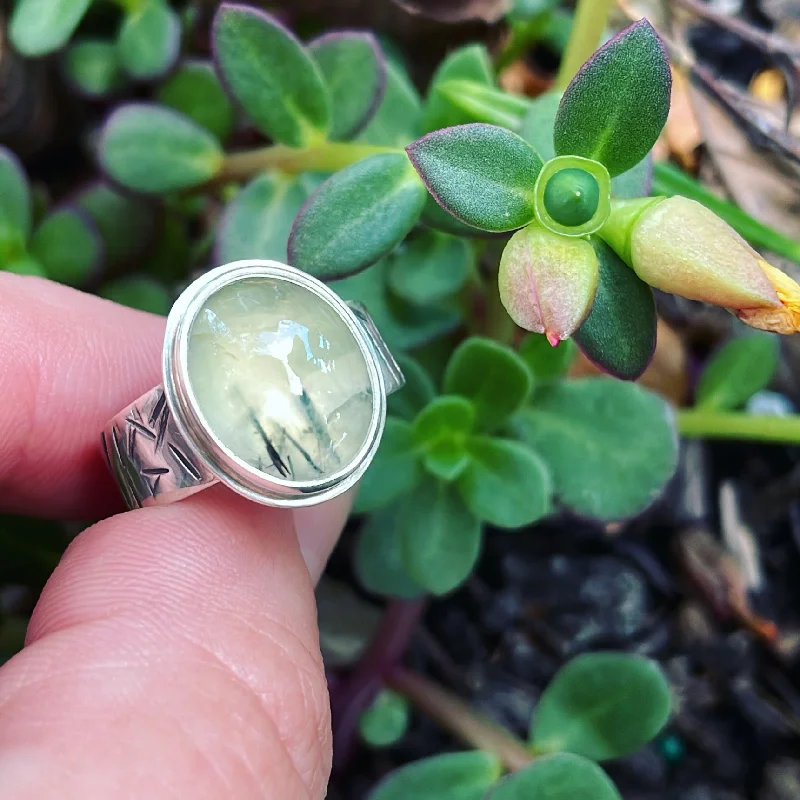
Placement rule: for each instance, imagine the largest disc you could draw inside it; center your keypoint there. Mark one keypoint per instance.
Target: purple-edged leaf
(154, 149)
(68, 245)
(547, 282)
(272, 75)
(615, 107)
(619, 335)
(354, 69)
(15, 196)
(482, 174)
(357, 216)
(150, 40)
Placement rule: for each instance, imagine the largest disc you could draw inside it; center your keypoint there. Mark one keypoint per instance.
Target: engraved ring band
(272, 385)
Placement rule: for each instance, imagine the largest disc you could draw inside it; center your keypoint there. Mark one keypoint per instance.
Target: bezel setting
(217, 457)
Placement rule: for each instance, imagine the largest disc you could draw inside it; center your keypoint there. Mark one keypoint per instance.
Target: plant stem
(454, 715)
(588, 25)
(707, 424)
(326, 157)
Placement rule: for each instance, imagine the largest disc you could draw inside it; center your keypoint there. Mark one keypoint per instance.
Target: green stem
(588, 25)
(326, 157)
(699, 423)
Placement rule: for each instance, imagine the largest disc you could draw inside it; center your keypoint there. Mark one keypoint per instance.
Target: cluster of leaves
(507, 437)
(598, 707)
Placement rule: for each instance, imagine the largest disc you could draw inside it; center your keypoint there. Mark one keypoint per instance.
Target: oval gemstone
(280, 379)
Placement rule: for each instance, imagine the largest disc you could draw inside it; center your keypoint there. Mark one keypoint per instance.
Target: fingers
(174, 653)
(68, 363)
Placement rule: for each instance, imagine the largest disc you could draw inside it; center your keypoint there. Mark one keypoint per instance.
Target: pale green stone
(280, 379)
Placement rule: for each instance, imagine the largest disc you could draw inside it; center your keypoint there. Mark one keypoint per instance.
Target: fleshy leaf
(452, 776)
(140, 292)
(492, 377)
(127, 223)
(386, 719)
(395, 470)
(735, 373)
(429, 267)
(479, 102)
(150, 40)
(68, 246)
(546, 363)
(615, 107)
(443, 416)
(357, 216)
(506, 483)
(482, 174)
(619, 335)
(440, 539)
(92, 66)
(416, 393)
(434, 216)
(378, 559)
(259, 219)
(194, 90)
(15, 196)
(548, 282)
(636, 182)
(611, 446)
(558, 777)
(469, 63)
(271, 74)
(354, 70)
(155, 149)
(396, 121)
(537, 125)
(24, 265)
(601, 706)
(39, 27)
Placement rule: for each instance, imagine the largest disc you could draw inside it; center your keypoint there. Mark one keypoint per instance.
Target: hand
(174, 652)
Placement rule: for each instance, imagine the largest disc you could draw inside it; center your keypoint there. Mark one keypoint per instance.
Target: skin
(174, 651)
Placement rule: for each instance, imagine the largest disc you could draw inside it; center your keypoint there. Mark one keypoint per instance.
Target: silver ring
(272, 385)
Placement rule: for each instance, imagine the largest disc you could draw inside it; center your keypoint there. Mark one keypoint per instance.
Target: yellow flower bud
(782, 319)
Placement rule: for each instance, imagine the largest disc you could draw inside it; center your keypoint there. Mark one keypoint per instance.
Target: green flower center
(572, 196)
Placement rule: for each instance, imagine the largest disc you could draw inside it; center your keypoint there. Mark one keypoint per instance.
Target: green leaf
(434, 216)
(559, 777)
(453, 776)
(150, 40)
(469, 63)
(537, 125)
(39, 27)
(429, 267)
(601, 706)
(259, 219)
(505, 484)
(396, 121)
(354, 70)
(378, 557)
(417, 392)
(479, 102)
(194, 90)
(140, 292)
(68, 246)
(154, 149)
(15, 197)
(127, 223)
(93, 67)
(737, 371)
(402, 325)
(611, 446)
(357, 216)
(495, 379)
(619, 335)
(483, 175)
(395, 470)
(546, 363)
(386, 720)
(444, 415)
(636, 182)
(271, 74)
(23, 265)
(440, 539)
(615, 107)
(447, 458)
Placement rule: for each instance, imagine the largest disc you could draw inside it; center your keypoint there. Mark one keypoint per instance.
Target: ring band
(272, 385)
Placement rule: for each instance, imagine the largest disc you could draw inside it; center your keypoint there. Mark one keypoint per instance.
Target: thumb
(174, 652)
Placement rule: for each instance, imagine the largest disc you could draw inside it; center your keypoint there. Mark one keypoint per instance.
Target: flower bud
(548, 282)
(782, 319)
(679, 246)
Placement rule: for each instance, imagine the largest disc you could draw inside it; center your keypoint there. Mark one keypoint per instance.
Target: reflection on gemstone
(280, 379)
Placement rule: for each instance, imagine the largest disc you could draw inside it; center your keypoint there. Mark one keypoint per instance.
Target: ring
(271, 385)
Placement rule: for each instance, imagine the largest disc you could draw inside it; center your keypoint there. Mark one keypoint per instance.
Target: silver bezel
(222, 462)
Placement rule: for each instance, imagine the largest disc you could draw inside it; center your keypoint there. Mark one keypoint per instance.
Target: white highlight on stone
(280, 379)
